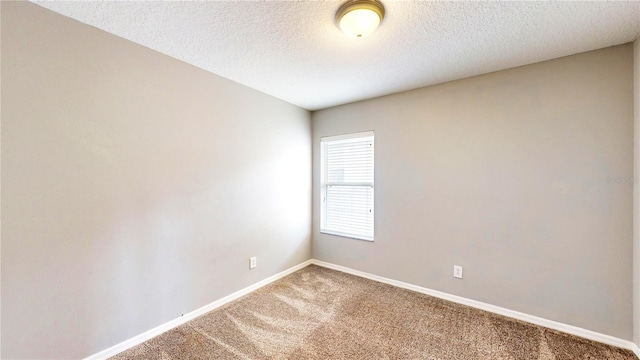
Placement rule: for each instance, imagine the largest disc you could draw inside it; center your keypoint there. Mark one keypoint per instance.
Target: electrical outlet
(457, 271)
(252, 262)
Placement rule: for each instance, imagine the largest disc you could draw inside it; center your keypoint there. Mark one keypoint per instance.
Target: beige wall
(636, 196)
(507, 174)
(134, 187)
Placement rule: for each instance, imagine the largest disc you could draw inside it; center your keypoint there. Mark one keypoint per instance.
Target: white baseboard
(569, 329)
(127, 344)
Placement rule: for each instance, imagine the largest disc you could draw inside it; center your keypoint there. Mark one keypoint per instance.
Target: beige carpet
(317, 313)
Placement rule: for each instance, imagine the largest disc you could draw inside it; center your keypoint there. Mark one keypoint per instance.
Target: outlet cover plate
(457, 271)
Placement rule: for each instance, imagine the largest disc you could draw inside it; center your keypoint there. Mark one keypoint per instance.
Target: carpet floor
(317, 313)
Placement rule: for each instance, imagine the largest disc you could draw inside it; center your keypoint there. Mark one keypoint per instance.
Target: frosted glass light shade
(359, 18)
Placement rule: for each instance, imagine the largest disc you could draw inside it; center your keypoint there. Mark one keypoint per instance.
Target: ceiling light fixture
(359, 18)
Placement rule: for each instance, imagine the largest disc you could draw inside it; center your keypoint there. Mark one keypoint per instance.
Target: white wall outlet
(252, 262)
(457, 271)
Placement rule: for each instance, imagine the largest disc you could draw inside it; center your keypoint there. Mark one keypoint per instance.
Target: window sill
(349, 236)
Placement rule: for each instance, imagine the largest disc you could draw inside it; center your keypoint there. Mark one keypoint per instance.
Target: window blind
(347, 185)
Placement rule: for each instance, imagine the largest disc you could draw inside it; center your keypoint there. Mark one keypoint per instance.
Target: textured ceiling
(292, 49)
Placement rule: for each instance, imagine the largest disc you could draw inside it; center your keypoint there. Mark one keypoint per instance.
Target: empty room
(356, 179)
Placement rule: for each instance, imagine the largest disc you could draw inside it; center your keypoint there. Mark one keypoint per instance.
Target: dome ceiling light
(359, 18)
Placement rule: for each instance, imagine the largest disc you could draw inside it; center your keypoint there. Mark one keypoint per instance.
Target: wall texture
(636, 196)
(134, 187)
(521, 176)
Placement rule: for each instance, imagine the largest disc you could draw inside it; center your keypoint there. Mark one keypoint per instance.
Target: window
(347, 185)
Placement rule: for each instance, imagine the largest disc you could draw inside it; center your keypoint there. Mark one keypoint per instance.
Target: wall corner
(636, 193)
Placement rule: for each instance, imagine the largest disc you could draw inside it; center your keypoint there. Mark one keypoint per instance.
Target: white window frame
(325, 184)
